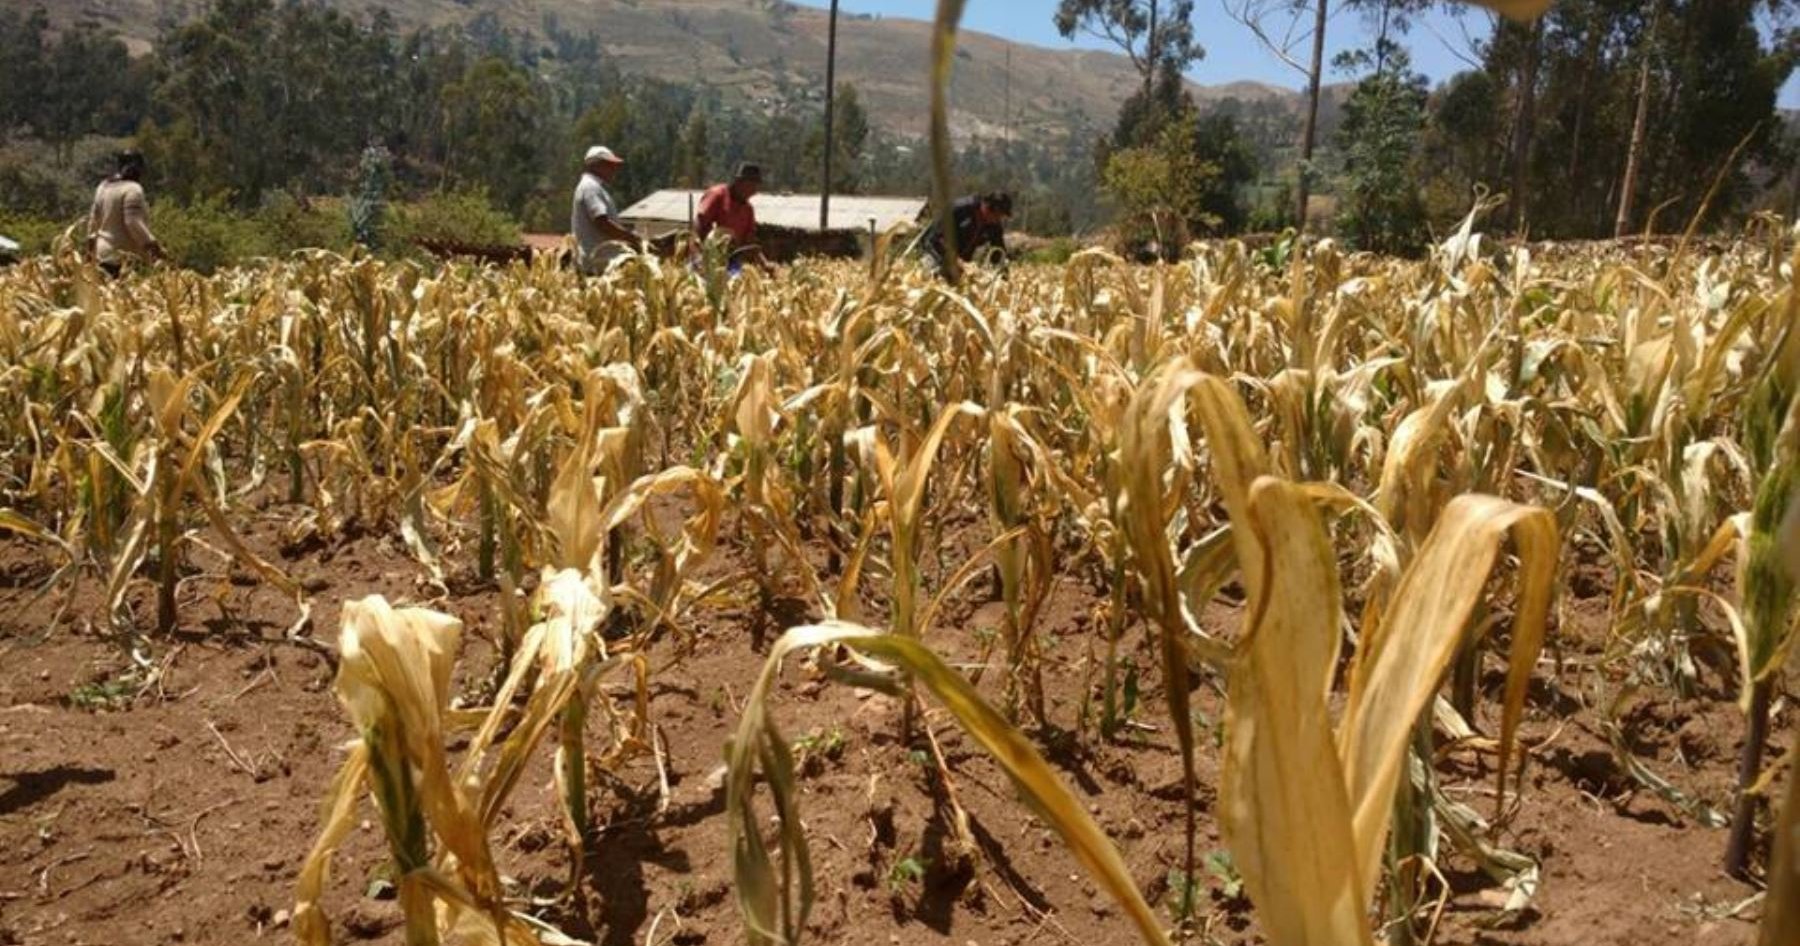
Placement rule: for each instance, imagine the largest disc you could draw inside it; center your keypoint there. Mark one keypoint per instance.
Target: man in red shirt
(727, 207)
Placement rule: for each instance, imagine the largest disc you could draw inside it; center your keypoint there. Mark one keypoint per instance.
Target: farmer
(980, 221)
(594, 219)
(727, 207)
(119, 223)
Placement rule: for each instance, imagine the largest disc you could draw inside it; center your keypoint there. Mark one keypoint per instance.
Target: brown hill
(770, 51)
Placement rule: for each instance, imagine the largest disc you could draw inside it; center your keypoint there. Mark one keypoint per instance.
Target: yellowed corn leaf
(210, 429)
(1237, 458)
(338, 817)
(574, 512)
(754, 412)
(1401, 665)
(558, 647)
(13, 522)
(910, 477)
(167, 397)
(1285, 812)
(1405, 495)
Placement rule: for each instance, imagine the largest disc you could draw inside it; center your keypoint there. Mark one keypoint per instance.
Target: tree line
(1603, 118)
(1606, 116)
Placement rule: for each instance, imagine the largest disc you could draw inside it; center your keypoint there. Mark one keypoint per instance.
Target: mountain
(766, 51)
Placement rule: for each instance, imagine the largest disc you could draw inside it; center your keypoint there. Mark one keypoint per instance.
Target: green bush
(39, 180)
(463, 216)
(1054, 252)
(36, 234)
(208, 235)
(1271, 209)
(288, 225)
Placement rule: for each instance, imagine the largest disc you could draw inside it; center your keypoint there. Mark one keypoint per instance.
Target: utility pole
(830, 130)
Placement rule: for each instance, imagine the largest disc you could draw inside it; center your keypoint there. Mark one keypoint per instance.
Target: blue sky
(1231, 51)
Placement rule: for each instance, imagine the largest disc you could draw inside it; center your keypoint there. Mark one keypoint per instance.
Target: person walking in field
(594, 218)
(727, 207)
(119, 223)
(980, 221)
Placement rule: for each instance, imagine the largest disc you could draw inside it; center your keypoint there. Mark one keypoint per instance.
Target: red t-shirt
(719, 208)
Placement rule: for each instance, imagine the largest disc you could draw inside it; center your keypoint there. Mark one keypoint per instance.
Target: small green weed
(102, 696)
(907, 870)
(1225, 873)
(1184, 895)
(812, 750)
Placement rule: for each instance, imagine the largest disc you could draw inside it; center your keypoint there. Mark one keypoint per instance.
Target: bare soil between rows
(181, 812)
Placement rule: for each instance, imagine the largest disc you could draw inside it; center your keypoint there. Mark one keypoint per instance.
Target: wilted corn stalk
(1154, 427)
(1310, 846)
(1771, 568)
(767, 504)
(1781, 913)
(852, 341)
(775, 901)
(668, 598)
(576, 594)
(566, 653)
(902, 482)
(394, 681)
(509, 529)
(1095, 492)
(905, 487)
(166, 477)
(1023, 563)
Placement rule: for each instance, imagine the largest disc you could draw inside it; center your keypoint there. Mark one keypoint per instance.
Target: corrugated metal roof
(794, 211)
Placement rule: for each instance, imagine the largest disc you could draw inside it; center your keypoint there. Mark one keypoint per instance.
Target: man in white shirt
(594, 219)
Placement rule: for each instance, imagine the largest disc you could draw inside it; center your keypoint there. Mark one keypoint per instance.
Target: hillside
(767, 51)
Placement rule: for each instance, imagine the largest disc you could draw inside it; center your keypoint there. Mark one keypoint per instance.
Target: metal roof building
(669, 210)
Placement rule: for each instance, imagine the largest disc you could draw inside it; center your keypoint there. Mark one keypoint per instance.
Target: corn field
(1340, 529)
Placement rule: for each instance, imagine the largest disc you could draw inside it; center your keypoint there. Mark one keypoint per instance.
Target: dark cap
(999, 202)
(748, 172)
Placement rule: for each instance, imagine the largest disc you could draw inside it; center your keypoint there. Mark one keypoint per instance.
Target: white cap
(602, 153)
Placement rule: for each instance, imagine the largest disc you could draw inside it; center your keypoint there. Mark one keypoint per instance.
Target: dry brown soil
(181, 812)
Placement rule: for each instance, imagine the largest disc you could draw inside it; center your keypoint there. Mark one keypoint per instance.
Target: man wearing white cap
(599, 238)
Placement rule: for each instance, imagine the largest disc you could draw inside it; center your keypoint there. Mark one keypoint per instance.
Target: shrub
(461, 216)
(1054, 251)
(288, 224)
(37, 179)
(208, 235)
(35, 234)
